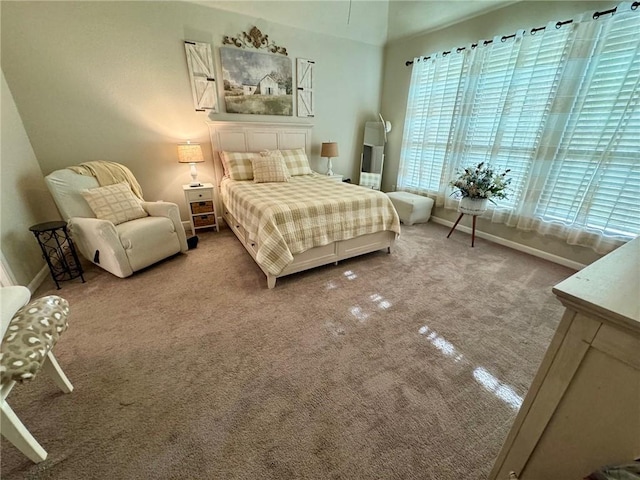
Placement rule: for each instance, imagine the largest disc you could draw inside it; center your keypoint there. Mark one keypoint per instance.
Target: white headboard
(254, 137)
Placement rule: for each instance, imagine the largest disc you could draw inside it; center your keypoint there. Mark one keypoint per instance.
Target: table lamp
(329, 150)
(191, 153)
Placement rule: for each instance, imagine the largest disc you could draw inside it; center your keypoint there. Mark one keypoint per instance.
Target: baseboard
(7, 277)
(514, 245)
(38, 279)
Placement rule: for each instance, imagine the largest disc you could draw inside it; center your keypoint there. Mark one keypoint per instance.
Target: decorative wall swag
(256, 39)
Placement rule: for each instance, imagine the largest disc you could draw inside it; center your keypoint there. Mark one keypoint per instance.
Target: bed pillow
(115, 203)
(296, 160)
(269, 169)
(237, 165)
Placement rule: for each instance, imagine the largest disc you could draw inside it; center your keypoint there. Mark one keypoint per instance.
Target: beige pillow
(296, 160)
(270, 169)
(237, 165)
(115, 203)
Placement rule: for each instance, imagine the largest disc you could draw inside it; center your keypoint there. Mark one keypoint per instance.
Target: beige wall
(24, 199)
(397, 76)
(108, 80)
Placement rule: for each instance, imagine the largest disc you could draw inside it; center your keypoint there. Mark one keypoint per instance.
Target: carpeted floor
(407, 366)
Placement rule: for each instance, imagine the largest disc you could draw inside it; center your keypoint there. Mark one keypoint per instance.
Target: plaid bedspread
(309, 211)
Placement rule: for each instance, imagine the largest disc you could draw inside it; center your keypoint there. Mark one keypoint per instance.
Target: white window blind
(516, 85)
(559, 107)
(458, 118)
(433, 99)
(594, 181)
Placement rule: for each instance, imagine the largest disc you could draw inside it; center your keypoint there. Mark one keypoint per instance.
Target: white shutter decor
(203, 82)
(304, 84)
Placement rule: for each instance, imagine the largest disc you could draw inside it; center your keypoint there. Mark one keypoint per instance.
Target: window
(514, 92)
(595, 174)
(560, 108)
(433, 98)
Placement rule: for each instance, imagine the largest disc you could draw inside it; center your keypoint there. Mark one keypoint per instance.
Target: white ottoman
(411, 208)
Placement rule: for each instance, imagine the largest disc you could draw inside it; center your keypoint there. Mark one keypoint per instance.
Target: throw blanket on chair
(109, 173)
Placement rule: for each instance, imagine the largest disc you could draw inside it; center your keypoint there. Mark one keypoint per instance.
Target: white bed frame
(254, 137)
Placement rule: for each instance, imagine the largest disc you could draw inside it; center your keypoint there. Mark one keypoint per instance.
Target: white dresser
(583, 408)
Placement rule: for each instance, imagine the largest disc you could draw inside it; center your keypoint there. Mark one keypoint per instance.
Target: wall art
(256, 83)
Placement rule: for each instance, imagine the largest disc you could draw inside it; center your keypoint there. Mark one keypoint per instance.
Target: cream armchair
(120, 249)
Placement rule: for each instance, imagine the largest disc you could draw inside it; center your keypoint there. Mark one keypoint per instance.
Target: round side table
(58, 251)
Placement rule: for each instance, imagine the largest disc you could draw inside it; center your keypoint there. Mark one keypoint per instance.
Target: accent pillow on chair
(115, 203)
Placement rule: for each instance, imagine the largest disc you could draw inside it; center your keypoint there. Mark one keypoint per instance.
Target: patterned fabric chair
(29, 332)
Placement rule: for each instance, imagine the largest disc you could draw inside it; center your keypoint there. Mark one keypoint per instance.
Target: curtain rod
(533, 31)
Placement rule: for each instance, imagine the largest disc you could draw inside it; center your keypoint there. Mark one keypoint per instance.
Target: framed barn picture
(256, 83)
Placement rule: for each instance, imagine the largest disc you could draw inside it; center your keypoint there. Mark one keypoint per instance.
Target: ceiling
(411, 17)
(370, 21)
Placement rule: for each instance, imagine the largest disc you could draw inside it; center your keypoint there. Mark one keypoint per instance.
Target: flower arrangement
(481, 182)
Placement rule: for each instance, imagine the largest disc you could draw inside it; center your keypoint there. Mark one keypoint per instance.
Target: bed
(305, 222)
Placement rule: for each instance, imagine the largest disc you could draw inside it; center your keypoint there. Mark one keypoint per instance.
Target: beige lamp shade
(329, 149)
(190, 153)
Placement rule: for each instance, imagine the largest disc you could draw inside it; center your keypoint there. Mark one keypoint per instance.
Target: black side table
(58, 250)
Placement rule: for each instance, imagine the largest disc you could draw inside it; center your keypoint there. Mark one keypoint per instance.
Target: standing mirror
(372, 159)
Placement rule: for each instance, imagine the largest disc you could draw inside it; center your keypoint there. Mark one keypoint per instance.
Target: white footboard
(318, 256)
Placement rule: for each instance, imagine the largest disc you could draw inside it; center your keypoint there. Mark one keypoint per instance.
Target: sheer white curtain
(591, 190)
(434, 98)
(558, 106)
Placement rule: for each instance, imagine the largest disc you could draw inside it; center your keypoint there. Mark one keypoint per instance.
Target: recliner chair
(120, 249)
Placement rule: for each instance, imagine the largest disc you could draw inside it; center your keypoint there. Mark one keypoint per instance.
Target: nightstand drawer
(202, 207)
(199, 194)
(204, 221)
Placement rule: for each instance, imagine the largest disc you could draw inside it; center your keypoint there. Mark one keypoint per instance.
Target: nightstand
(202, 210)
(335, 177)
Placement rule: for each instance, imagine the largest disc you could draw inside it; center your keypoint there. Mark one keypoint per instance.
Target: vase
(473, 206)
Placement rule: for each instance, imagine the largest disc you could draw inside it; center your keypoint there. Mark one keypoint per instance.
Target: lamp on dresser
(329, 150)
(191, 153)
